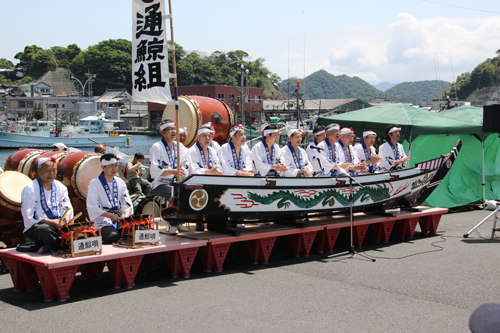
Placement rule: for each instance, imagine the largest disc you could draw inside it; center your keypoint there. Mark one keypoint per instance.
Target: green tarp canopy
(433, 134)
(410, 119)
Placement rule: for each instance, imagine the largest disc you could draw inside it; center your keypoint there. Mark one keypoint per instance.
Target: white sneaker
(173, 230)
(182, 228)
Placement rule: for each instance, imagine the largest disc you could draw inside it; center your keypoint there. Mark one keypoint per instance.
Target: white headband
(111, 161)
(346, 131)
(45, 159)
(235, 129)
(293, 130)
(264, 127)
(320, 132)
(205, 130)
(271, 131)
(162, 127)
(335, 127)
(366, 133)
(183, 130)
(394, 129)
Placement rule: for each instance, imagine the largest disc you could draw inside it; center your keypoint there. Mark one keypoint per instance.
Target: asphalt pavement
(427, 284)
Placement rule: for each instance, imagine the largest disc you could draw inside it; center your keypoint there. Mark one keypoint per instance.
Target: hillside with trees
(418, 93)
(323, 85)
(484, 75)
(111, 61)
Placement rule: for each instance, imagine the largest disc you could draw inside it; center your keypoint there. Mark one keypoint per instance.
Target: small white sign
(87, 245)
(147, 236)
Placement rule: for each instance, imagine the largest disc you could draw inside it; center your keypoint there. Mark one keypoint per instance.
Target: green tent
(435, 134)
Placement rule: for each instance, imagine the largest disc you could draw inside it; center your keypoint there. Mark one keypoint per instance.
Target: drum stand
(487, 219)
(351, 251)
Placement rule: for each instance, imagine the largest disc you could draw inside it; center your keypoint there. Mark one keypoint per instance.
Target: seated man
(392, 153)
(136, 184)
(266, 154)
(214, 144)
(346, 152)
(43, 202)
(295, 157)
(319, 135)
(365, 151)
(163, 166)
(203, 158)
(234, 156)
(108, 199)
(324, 155)
(100, 149)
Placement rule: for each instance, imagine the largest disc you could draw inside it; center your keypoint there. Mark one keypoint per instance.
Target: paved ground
(428, 284)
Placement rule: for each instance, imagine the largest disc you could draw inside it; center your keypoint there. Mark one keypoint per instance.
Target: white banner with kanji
(150, 52)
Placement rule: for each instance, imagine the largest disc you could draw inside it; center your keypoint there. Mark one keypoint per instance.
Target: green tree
(4, 63)
(26, 57)
(110, 60)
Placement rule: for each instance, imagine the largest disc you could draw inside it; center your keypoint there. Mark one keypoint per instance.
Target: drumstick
(64, 215)
(74, 218)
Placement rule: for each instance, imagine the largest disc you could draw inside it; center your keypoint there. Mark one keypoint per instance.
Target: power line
(478, 10)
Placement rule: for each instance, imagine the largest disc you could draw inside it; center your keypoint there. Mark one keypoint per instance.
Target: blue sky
(379, 41)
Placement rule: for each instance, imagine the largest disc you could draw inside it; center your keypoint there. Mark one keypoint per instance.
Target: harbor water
(138, 143)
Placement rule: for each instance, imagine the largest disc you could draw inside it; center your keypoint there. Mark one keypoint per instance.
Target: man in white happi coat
(214, 144)
(295, 158)
(43, 202)
(346, 152)
(234, 156)
(108, 200)
(392, 153)
(266, 154)
(163, 165)
(365, 151)
(203, 158)
(319, 133)
(324, 155)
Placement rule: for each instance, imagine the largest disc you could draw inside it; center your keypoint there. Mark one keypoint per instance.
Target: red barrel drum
(76, 170)
(197, 110)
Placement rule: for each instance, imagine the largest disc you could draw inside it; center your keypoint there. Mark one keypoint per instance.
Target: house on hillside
(37, 89)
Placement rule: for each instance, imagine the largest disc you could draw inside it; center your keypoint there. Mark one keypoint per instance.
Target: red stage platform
(56, 274)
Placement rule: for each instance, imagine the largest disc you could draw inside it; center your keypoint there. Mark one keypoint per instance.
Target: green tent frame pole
(484, 181)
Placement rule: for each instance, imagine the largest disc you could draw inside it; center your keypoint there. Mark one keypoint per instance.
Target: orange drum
(58, 155)
(76, 170)
(12, 162)
(197, 110)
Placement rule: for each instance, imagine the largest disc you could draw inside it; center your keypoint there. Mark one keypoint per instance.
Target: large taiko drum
(14, 159)
(76, 170)
(57, 155)
(11, 219)
(11, 186)
(197, 110)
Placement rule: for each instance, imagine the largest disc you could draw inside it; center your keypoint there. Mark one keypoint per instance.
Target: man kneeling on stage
(108, 199)
(43, 202)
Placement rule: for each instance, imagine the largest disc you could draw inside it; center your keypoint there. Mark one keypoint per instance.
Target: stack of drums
(57, 155)
(11, 220)
(22, 160)
(75, 171)
(197, 110)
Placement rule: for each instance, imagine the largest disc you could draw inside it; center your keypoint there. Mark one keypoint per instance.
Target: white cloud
(409, 52)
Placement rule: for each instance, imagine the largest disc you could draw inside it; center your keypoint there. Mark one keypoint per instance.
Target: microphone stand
(351, 251)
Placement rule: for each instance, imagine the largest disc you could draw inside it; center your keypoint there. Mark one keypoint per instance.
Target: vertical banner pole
(176, 98)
